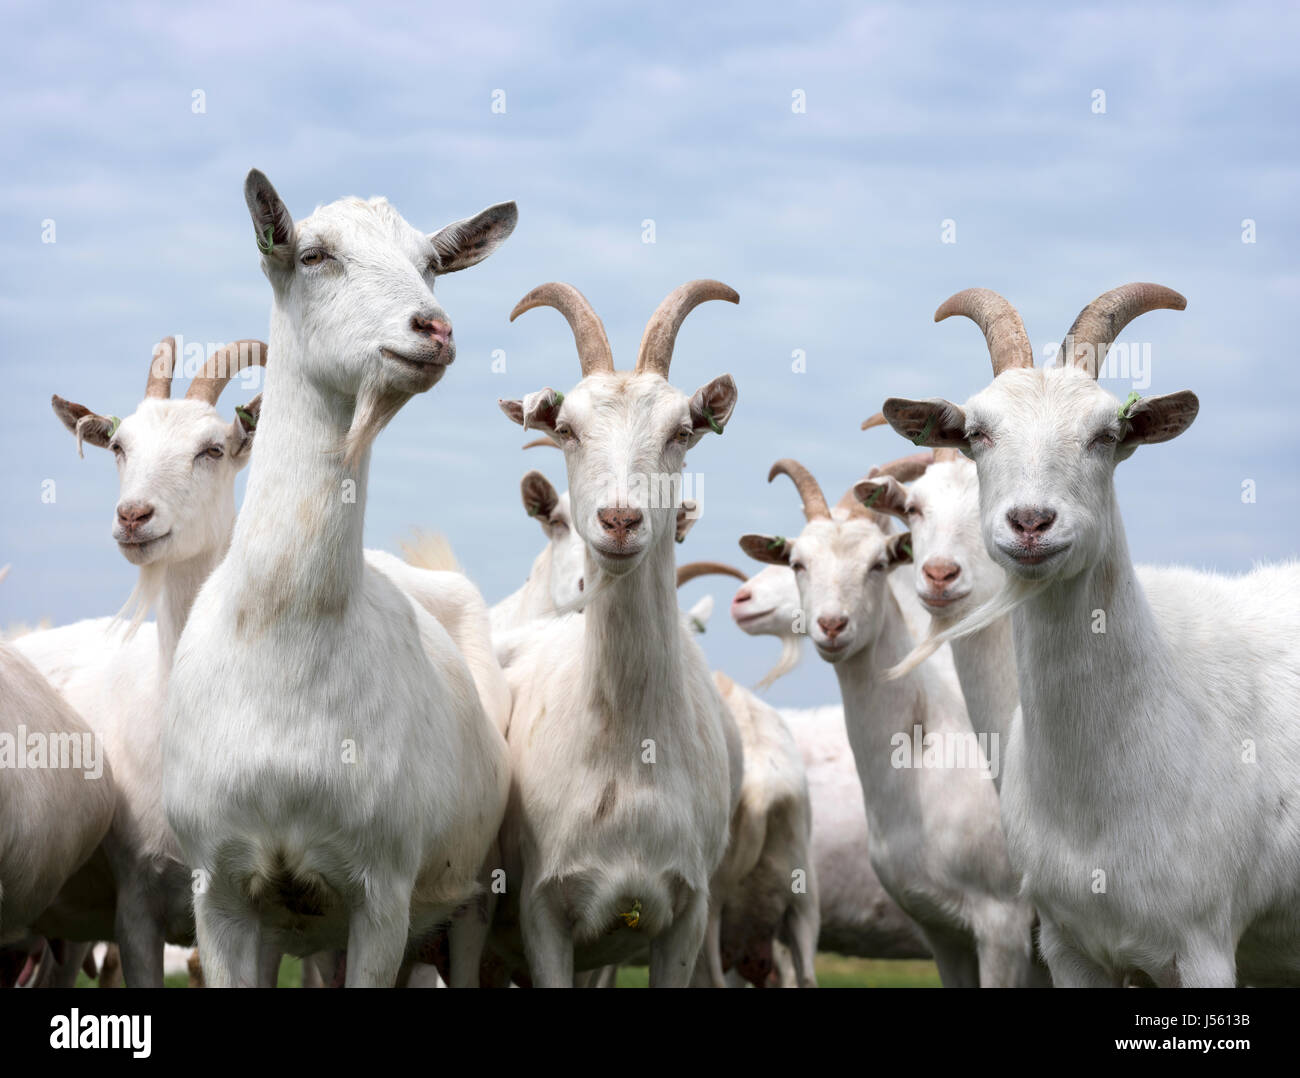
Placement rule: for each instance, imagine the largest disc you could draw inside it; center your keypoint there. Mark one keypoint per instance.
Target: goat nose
(619, 523)
(1031, 523)
(832, 627)
(742, 596)
(940, 571)
(133, 514)
(436, 329)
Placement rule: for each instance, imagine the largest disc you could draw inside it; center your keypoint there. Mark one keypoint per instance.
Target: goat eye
(1105, 438)
(213, 452)
(118, 451)
(797, 566)
(314, 256)
(682, 436)
(432, 266)
(912, 511)
(564, 430)
(978, 436)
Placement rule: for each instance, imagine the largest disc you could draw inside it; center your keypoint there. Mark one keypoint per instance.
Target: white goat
(769, 880)
(953, 574)
(936, 840)
(328, 767)
(177, 461)
(1149, 794)
(623, 786)
(858, 917)
(56, 794)
(555, 581)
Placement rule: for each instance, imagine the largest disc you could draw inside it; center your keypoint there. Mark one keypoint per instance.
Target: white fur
(138, 890)
(767, 889)
(936, 838)
(328, 766)
(52, 818)
(594, 831)
(1133, 754)
(858, 917)
(555, 581)
(941, 509)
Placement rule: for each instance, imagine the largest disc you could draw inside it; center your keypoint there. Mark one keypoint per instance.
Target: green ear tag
(713, 423)
(924, 436)
(559, 398)
(116, 423)
(1125, 408)
(777, 543)
(906, 544)
(699, 625)
(268, 245)
(250, 420)
(870, 500)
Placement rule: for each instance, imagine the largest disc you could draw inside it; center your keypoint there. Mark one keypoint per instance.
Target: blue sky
(828, 223)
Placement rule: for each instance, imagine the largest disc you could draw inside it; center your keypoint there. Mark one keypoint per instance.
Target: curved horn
(905, 469)
(877, 420)
(538, 443)
(588, 330)
(1099, 323)
(656, 351)
(222, 366)
(1005, 333)
(688, 572)
(814, 501)
(161, 367)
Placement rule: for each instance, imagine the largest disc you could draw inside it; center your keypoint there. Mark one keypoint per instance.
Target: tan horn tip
(877, 420)
(779, 468)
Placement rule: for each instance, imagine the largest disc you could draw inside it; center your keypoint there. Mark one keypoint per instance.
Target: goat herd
(1074, 771)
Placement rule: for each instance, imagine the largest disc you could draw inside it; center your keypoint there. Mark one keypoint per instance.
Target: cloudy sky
(1071, 150)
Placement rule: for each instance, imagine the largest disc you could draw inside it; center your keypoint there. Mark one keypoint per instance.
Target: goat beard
(377, 403)
(1013, 593)
(148, 586)
(791, 653)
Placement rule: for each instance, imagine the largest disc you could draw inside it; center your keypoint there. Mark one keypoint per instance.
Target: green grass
(833, 971)
(836, 971)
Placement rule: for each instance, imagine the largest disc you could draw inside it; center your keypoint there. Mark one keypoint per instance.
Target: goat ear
(466, 243)
(937, 423)
(1157, 419)
(537, 410)
(700, 613)
(899, 549)
(884, 494)
(539, 497)
(712, 405)
(88, 426)
(687, 514)
(245, 424)
(271, 221)
(773, 549)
